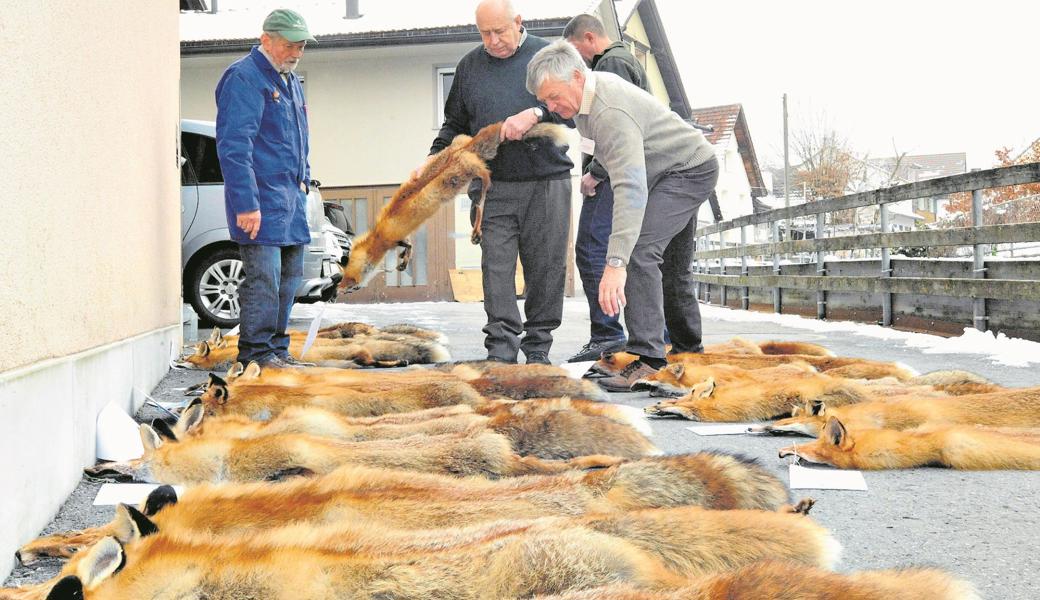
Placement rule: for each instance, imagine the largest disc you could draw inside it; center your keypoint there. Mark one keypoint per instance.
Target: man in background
(587, 34)
(262, 144)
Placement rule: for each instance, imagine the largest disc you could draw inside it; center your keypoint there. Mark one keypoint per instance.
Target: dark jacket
(486, 90)
(262, 144)
(618, 60)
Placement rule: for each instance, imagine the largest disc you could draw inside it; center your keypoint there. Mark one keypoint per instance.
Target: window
(444, 78)
(201, 153)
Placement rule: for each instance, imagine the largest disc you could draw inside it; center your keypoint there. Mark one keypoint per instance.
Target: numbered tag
(312, 333)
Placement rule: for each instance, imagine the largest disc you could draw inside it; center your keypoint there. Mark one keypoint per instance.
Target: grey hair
(503, 5)
(559, 60)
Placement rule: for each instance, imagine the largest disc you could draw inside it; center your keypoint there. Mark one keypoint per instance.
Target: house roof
(236, 24)
(730, 126)
(660, 48)
(919, 167)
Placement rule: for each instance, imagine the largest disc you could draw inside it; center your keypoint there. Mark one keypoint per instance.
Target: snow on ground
(998, 348)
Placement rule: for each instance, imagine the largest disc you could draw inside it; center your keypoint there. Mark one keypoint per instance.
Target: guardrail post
(745, 299)
(821, 271)
(722, 269)
(697, 245)
(776, 266)
(886, 271)
(981, 319)
(707, 269)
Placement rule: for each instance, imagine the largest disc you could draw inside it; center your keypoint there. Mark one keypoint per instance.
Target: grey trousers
(529, 219)
(659, 287)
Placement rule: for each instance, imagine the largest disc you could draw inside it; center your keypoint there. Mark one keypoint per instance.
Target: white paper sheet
(721, 428)
(312, 332)
(577, 369)
(111, 494)
(824, 478)
(118, 436)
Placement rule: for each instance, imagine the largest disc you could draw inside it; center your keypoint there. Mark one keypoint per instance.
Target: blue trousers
(271, 275)
(590, 254)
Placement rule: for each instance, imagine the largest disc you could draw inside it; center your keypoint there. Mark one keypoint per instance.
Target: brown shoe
(629, 375)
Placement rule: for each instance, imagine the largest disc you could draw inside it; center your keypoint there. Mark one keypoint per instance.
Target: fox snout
(108, 472)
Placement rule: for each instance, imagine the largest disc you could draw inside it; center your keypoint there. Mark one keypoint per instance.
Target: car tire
(213, 287)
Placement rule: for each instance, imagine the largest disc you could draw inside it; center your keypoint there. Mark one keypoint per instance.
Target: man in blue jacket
(262, 143)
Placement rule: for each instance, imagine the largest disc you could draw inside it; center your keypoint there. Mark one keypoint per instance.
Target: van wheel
(213, 287)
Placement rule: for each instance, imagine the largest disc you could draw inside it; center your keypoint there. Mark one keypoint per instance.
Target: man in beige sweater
(661, 169)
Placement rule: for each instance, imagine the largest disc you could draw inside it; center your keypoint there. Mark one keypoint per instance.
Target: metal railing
(978, 287)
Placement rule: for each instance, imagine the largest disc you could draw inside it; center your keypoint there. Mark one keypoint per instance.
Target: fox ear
(796, 410)
(150, 440)
(101, 562)
(160, 498)
(835, 433)
(202, 349)
(131, 524)
(817, 409)
(68, 588)
(252, 371)
(191, 418)
(235, 371)
(705, 388)
(215, 337)
(163, 429)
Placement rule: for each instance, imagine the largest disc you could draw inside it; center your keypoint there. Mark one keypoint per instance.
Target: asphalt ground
(981, 526)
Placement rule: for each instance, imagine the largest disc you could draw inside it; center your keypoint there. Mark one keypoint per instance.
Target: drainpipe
(212, 7)
(353, 10)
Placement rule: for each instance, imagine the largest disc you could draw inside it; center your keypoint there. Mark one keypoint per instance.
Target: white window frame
(440, 94)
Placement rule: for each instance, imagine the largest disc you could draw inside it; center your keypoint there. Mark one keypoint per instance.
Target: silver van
(210, 264)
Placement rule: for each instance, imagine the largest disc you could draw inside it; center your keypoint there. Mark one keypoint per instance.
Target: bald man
(527, 211)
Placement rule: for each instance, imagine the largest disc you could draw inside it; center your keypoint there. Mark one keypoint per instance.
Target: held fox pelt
(448, 175)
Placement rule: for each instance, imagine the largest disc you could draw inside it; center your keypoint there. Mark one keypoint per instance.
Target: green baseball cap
(288, 24)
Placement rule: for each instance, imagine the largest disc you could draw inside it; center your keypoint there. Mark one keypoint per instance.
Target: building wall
(635, 30)
(90, 259)
(733, 189)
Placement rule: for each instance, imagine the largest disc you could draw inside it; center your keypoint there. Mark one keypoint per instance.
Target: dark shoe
(593, 350)
(538, 358)
(293, 362)
(629, 375)
(276, 362)
(499, 359)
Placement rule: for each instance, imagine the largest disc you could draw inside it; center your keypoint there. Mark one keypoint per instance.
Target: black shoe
(622, 382)
(499, 359)
(593, 350)
(538, 357)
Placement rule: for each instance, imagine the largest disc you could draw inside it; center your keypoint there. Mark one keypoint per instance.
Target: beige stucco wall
(635, 30)
(90, 223)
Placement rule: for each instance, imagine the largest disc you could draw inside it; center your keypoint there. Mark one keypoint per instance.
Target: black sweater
(487, 90)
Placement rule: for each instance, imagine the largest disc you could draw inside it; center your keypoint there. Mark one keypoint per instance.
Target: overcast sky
(933, 77)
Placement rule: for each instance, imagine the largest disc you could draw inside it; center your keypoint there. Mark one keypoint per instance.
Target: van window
(201, 152)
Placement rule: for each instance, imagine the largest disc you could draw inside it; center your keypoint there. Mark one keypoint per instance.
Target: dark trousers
(590, 255)
(270, 276)
(529, 220)
(659, 288)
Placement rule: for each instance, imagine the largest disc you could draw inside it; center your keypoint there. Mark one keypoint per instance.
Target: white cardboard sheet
(822, 478)
(118, 436)
(312, 331)
(111, 494)
(720, 428)
(577, 369)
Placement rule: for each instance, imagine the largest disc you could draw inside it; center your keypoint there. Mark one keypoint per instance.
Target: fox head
(207, 356)
(834, 447)
(216, 395)
(684, 407)
(359, 270)
(135, 470)
(807, 419)
(671, 381)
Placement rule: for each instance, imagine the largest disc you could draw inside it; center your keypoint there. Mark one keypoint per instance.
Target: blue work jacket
(262, 143)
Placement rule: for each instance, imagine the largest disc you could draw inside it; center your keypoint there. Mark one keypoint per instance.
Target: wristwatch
(538, 112)
(615, 262)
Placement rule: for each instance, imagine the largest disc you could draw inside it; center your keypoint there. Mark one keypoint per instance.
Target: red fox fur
(655, 548)
(1009, 408)
(788, 581)
(371, 351)
(415, 500)
(956, 447)
(739, 395)
(271, 457)
(448, 175)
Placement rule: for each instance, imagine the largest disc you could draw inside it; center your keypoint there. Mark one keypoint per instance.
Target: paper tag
(721, 428)
(233, 330)
(588, 146)
(577, 369)
(826, 479)
(312, 333)
(111, 494)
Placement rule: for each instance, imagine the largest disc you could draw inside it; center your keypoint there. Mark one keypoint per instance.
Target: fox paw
(475, 238)
(803, 507)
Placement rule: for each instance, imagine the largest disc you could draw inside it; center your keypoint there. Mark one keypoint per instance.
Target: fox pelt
(448, 175)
